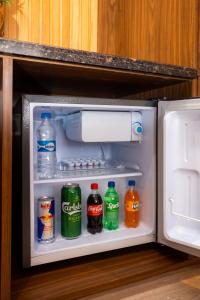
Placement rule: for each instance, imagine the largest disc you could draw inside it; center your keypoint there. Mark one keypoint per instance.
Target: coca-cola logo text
(95, 210)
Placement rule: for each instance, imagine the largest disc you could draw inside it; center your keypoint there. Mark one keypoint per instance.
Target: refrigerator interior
(182, 177)
(129, 161)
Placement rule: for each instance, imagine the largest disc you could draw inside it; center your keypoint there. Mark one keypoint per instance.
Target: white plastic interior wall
(142, 155)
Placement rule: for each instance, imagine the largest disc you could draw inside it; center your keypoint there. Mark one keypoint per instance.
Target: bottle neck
(45, 120)
(111, 188)
(94, 192)
(131, 188)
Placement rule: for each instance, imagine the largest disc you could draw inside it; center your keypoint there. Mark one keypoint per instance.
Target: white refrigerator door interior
(179, 175)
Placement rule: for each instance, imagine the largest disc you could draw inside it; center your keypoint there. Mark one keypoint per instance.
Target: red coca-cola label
(95, 210)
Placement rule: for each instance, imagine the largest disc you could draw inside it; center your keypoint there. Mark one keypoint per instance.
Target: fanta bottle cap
(111, 184)
(131, 182)
(46, 115)
(94, 186)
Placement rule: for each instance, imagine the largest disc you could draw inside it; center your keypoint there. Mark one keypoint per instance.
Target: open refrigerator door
(179, 175)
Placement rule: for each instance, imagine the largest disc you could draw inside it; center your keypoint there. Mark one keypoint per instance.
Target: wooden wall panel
(163, 31)
(64, 23)
(83, 24)
(6, 75)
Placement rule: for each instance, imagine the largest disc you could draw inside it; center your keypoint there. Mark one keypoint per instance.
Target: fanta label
(132, 206)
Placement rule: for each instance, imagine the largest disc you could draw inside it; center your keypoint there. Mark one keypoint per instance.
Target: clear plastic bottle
(131, 201)
(46, 147)
(111, 207)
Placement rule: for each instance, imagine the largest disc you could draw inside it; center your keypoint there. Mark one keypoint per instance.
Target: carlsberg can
(71, 211)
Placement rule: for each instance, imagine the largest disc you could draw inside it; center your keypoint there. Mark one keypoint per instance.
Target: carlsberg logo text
(112, 206)
(71, 209)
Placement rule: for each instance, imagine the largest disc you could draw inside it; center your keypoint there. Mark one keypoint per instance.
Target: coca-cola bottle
(94, 210)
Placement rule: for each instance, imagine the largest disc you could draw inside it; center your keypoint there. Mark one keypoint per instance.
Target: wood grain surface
(136, 273)
(6, 176)
(65, 23)
(52, 78)
(164, 31)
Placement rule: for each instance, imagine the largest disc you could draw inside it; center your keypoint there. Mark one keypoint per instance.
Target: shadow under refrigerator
(157, 146)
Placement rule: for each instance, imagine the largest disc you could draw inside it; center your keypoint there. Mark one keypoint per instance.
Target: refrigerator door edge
(26, 183)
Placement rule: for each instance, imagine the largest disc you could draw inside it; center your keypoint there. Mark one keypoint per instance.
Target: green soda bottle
(111, 207)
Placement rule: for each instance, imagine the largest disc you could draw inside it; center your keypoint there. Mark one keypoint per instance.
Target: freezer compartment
(123, 161)
(75, 158)
(103, 126)
(182, 165)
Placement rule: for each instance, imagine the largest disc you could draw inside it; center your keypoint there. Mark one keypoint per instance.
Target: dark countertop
(31, 50)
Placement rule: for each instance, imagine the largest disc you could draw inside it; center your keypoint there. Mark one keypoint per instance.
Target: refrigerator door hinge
(157, 99)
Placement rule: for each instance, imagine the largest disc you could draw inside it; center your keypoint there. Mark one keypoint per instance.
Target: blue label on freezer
(46, 146)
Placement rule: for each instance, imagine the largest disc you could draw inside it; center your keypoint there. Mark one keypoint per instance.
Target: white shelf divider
(91, 175)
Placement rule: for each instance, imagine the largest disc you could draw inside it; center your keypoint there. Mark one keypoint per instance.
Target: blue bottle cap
(131, 183)
(111, 184)
(46, 115)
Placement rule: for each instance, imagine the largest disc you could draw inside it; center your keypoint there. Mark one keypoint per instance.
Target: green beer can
(71, 211)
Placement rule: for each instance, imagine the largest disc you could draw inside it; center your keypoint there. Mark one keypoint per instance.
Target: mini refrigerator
(155, 143)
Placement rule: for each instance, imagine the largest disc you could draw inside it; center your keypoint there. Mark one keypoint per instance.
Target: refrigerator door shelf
(179, 175)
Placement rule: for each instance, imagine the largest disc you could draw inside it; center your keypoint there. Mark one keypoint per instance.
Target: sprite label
(112, 206)
(71, 211)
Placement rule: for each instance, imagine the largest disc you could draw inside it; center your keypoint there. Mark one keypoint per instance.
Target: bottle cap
(111, 184)
(131, 182)
(94, 186)
(46, 115)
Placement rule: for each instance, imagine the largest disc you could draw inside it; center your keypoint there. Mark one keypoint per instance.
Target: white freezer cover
(103, 126)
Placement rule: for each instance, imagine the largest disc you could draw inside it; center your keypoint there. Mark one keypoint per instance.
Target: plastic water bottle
(111, 207)
(46, 147)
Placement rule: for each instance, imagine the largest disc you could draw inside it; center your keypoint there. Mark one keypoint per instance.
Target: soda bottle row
(100, 214)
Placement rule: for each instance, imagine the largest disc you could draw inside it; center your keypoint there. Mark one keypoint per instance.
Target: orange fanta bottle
(132, 201)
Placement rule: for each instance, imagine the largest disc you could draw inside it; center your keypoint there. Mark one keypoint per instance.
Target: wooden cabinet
(35, 69)
(163, 31)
